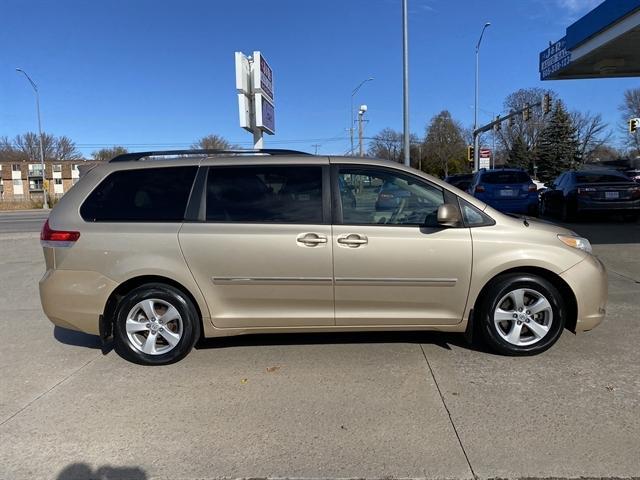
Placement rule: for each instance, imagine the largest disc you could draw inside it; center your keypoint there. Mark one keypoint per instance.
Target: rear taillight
(585, 190)
(480, 189)
(57, 238)
(533, 188)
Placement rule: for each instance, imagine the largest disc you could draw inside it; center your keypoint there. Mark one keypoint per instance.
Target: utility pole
(405, 83)
(352, 120)
(476, 142)
(363, 109)
(316, 145)
(45, 202)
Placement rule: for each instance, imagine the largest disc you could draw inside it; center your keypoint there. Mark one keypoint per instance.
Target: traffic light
(526, 113)
(470, 152)
(546, 103)
(512, 120)
(634, 123)
(498, 125)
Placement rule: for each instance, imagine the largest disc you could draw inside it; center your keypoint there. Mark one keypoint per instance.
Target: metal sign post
(256, 107)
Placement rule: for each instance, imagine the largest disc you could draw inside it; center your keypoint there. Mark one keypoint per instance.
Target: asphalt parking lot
(411, 405)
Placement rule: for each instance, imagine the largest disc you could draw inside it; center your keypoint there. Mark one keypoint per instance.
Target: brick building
(22, 181)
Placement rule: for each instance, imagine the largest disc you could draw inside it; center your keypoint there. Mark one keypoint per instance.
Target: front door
(263, 254)
(393, 263)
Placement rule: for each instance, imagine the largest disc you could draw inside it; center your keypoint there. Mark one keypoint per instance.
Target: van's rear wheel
(522, 314)
(155, 324)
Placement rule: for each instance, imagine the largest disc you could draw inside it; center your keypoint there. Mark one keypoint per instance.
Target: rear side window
(265, 194)
(505, 177)
(145, 195)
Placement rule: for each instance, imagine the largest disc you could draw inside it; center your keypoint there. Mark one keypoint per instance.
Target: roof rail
(136, 156)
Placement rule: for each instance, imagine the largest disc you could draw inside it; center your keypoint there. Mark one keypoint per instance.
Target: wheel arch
(565, 290)
(135, 282)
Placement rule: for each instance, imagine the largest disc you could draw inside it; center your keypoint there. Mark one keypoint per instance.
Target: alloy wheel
(523, 317)
(154, 326)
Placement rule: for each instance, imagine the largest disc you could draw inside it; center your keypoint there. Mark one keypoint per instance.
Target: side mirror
(448, 215)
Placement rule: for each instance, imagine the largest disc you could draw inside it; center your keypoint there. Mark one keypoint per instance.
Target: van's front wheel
(155, 324)
(522, 314)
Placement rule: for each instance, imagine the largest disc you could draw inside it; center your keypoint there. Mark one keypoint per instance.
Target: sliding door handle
(353, 240)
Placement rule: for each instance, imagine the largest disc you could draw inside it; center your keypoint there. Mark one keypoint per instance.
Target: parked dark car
(390, 195)
(573, 193)
(507, 189)
(460, 180)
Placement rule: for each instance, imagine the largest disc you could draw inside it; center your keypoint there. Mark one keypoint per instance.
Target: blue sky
(152, 74)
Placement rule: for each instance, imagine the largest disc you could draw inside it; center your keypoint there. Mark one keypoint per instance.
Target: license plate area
(611, 195)
(507, 193)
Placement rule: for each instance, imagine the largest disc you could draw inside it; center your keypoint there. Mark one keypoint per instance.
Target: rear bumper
(524, 205)
(628, 206)
(75, 299)
(588, 280)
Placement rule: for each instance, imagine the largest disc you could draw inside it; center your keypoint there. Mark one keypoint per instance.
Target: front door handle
(353, 240)
(311, 239)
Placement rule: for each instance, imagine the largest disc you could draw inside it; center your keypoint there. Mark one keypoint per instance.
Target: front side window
(383, 197)
(265, 194)
(144, 195)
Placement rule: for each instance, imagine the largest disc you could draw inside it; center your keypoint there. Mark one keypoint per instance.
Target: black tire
(543, 208)
(501, 287)
(567, 213)
(190, 328)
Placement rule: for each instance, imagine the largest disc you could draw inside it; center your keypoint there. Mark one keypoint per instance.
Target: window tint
(145, 195)
(382, 197)
(505, 177)
(265, 194)
(600, 178)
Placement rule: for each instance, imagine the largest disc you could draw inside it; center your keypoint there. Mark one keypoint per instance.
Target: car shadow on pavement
(79, 339)
(82, 471)
(441, 339)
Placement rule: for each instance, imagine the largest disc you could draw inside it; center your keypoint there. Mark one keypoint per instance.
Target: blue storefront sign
(554, 58)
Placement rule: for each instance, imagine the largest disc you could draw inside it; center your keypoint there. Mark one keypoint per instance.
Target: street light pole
(363, 108)
(45, 203)
(405, 83)
(476, 153)
(351, 119)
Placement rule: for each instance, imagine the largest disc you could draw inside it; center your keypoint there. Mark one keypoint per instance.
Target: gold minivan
(158, 249)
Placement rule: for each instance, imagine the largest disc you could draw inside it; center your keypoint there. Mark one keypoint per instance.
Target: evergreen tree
(558, 145)
(519, 155)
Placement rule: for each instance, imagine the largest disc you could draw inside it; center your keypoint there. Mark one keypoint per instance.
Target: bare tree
(527, 131)
(26, 147)
(212, 142)
(630, 108)
(29, 145)
(444, 145)
(387, 144)
(65, 149)
(106, 154)
(591, 132)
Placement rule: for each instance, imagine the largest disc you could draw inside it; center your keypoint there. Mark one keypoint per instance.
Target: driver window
(383, 197)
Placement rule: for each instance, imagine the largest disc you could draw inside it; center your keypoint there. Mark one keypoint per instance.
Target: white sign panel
(262, 76)
(243, 74)
(244, 111)
(265, 114)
